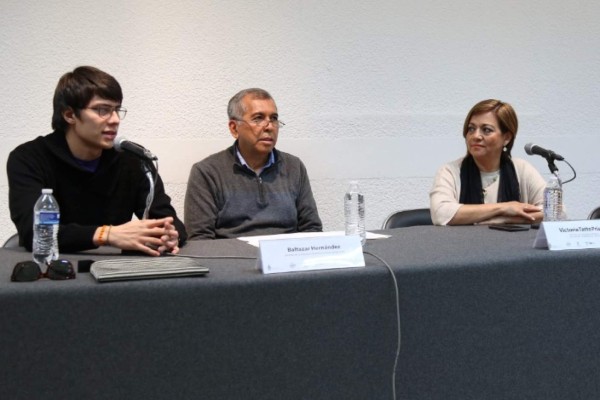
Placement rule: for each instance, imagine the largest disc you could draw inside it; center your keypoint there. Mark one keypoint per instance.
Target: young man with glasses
(97, 188)
(250, 188)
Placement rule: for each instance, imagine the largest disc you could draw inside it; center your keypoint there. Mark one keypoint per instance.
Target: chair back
(405, 218)
(595, 214)
(12, 241)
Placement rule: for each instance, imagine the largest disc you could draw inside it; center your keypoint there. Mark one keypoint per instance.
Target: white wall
(375, 91)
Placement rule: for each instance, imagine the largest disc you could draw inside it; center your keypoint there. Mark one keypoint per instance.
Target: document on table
(254, 240)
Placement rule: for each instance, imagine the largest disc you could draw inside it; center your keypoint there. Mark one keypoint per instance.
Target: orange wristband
(101, 241)
(108, 235)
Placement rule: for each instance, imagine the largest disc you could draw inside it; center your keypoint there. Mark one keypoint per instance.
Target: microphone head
(118, 143)
(529, 148)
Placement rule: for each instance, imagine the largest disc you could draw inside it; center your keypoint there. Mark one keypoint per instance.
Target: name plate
(306, 254)
(564, 235)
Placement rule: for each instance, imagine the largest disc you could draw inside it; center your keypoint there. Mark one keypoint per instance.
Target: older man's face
(257, 131)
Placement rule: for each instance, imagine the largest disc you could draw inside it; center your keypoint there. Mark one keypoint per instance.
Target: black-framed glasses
(27, 271)
(104, 111)
(264, 122)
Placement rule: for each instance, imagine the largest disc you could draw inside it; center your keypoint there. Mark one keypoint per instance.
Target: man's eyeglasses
(263, 122)
(27, 271)
(106, 111)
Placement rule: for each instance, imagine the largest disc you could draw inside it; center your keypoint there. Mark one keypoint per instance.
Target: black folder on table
(146, 268)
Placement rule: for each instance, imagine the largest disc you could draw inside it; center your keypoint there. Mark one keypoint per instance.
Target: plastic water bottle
(553, 200)
(46, 218)
(354, 212)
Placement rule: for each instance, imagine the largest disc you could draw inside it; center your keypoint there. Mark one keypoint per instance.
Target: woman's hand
(514, 212)
(510, 212)
(522, 210)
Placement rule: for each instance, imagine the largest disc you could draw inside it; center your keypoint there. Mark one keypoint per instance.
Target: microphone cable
(398, 325)
(151, 171)
(550, 157)
(574, 173)
(210, 257)
(396, 293)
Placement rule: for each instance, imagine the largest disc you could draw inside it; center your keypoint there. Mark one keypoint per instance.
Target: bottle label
(49, 218)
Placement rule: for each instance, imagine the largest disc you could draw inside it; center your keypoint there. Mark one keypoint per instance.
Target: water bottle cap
(46, 191)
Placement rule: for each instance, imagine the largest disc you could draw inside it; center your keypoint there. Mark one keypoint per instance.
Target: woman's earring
(505, 149)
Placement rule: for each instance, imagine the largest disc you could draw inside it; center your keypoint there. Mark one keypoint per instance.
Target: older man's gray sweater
(226, 199)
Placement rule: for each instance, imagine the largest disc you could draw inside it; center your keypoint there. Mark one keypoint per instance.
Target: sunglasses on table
(27, 271)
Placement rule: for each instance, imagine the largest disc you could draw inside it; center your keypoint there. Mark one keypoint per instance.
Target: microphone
(122, 144)
(532, 149)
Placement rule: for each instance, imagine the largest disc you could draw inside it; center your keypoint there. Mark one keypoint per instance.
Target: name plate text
(306, 254)
(565, 235)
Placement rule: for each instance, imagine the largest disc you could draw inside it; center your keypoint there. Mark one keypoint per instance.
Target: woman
(487, 185)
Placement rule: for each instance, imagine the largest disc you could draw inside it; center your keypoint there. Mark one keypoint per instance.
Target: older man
(250, 188)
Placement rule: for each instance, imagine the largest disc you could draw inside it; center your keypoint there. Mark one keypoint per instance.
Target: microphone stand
(554, 169)
(552, 166)
(146, 167)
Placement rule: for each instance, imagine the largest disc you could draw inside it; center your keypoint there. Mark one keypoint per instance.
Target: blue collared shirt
(270, 162)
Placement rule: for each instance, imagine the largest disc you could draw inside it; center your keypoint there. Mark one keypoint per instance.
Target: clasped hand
(150, 236)
(515, 212)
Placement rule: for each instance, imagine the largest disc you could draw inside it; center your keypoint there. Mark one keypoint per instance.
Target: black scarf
(471, 191)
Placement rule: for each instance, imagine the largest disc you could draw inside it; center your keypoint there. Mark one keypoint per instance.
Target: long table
(483, 316)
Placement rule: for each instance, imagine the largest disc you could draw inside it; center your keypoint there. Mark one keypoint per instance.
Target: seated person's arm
(200, 209)
(150, 236)
(446, 209)
(161, 232)
(27, 176)
(532, 190)
(512, 212)
(308, 215)
(443, 197)
(162, 208)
